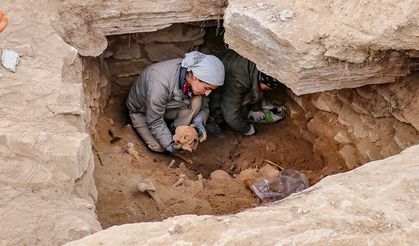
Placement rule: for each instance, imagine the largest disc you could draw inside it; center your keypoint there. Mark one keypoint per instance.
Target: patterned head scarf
(269, 81)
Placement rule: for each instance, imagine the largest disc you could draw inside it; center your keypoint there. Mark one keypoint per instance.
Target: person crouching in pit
(175, 90)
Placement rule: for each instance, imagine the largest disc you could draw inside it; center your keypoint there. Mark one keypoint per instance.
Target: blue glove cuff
(198, 122)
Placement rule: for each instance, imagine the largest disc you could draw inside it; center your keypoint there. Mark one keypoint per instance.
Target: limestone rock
(368, 150)
(47, 188)
(161, 52)
(115, 18)
(372, 118)
(327, 102)
(46, 151)
(176, 33)
(97, 88)
(405, 135)
(286, 15)
(9, 59)
(126, 48)
(351, 119)
(403, 97)
(269, 171)
(220, 175)
(348, 155)
(342, 137)
(125, 68)
(342, 52)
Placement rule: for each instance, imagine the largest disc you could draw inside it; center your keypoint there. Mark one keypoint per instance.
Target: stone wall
(47, 187)
(46, 183)
(127, 55)
(88, 22)
(363, 124)
(110, 75)
(47, 190)
(97, 88)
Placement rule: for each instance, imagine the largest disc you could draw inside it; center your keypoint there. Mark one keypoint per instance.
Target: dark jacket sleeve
(241, 88)
(231, 106)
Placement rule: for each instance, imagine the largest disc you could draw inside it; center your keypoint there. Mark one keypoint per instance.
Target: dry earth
(118, 172)
(47, 189)
(375, 204)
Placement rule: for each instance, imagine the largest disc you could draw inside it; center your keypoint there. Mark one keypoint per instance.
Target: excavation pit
(322, 134)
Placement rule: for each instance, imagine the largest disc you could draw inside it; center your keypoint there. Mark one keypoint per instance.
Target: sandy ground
(117, 172)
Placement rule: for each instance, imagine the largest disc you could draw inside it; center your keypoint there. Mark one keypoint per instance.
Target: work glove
(270, 117)
(256, 115)
(281, 111)
(199, 126)
(266, 105)
(172, 148)
(251, 131)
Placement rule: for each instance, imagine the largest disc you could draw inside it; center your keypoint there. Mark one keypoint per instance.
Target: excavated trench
(322, 134)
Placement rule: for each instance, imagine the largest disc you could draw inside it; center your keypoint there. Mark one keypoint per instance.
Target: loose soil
(117, 172)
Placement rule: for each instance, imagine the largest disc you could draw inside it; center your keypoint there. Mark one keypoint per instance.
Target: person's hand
(251, 131)
(202, 133)
(172, 148)
(256, 115)
(281, 111)
(199, 126)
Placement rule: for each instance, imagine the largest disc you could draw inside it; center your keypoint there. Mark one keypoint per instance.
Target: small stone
(176, 229)
(220, 175)
(269, 171)
(43, 136)
(262, 5)
(10, 59)
(182, 165)
(286, 14)
(342, 137)
(172, 162)
(302, 211)
(107, 54)
(271, 147)
(25, 50)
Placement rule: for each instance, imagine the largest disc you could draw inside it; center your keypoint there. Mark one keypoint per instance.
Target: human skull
(186, 137)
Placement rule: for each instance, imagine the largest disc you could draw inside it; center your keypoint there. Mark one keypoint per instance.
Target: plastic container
(277, 188)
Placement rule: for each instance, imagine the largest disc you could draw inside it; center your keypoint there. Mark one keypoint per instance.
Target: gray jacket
(157, 90)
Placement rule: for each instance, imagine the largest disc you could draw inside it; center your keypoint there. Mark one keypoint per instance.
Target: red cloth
(186, 89)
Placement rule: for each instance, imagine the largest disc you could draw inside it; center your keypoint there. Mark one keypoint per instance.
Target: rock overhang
(319, 47)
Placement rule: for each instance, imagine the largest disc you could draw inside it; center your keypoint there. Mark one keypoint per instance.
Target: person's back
(239, 71)
(242, 96)
(241, 87)
(163, 76)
